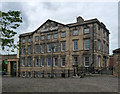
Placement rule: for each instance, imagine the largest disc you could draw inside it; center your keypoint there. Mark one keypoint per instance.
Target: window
(48, 61)
(75, 32)
(29, 61)
(56, 35)
(99, 45)
(55, 61)
(42, 62)
(36, 61)
(55, 47)
(23, 50)
(99, 61)
(42, 48)
(63, 34)
(63, 46)
(86, 61)
(29, 39)
(104, 34)
(36, 38)
(49, 48)
(86, 31)
(75, 45)
(42, 37)
(63, 61)
(36, 48)
(23, 62)
(23, 40)
(75, 60)
(29, 49)
(49, 37)
(86, 44)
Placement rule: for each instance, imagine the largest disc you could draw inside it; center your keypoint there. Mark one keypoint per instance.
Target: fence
(79, 71)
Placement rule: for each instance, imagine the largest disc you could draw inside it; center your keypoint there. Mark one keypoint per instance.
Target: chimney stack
(80, 19)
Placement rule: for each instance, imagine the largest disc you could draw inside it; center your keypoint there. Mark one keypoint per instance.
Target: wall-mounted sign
(49, 29)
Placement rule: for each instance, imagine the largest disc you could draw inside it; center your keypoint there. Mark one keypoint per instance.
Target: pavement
(86, 84)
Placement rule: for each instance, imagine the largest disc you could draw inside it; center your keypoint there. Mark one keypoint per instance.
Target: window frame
(48, 47)
(62, 61)
(87, 32)
(74, 33)
(74, 62)
(85, 61)
(86, 48)
(42, 62)
(48, 37)
(55, 62)
(63, 34)
(36, 38)
(75, 48)
(55, 37)
(62, 46)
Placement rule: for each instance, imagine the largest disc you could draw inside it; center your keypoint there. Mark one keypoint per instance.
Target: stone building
(11, 62)
(56, 48)
(116, 60)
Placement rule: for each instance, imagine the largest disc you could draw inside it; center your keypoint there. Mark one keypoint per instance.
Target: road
(87, 84)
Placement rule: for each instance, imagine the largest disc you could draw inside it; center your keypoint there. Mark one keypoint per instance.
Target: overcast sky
(36, 13)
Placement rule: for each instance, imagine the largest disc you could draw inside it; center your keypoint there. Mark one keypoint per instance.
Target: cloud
(36, 13)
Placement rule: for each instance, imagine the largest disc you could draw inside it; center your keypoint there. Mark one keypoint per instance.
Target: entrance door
(13, 68)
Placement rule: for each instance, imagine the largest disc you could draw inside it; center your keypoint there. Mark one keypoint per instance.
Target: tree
(3, 66)
(9, 22)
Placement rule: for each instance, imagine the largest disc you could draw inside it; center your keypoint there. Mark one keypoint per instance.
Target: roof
(95, 20)
(116, 50)
(26, 34)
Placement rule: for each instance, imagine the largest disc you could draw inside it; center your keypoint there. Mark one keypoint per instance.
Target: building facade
(55, 48)
(116, 64)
